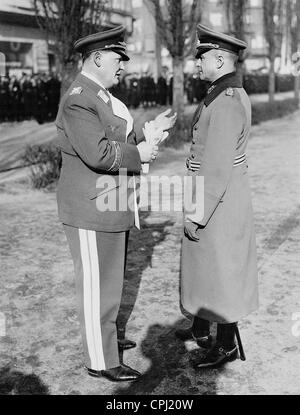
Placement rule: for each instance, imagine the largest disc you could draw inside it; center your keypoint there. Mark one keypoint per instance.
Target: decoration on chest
(102, 95)
(229, 92)
(76, 91)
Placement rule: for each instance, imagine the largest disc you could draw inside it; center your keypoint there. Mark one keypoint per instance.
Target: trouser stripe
(91, 297)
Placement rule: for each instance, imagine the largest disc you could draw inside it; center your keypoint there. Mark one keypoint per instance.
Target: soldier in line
(32, 96)
(162, 90)
(195, 88)
(219, 281)
(134, 91)
(53, 85)
(14, 99)
(27, 97)
(4, 98)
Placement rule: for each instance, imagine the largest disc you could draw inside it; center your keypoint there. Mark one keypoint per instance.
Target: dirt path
(38, 302)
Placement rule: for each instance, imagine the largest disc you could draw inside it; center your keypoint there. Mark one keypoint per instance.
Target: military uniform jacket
(96, 144)
(219, 273)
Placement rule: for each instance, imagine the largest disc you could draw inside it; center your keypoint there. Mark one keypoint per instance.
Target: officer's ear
(220, 61)
(97, 59)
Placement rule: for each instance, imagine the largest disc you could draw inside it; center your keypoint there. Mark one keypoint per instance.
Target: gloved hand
(190, 231)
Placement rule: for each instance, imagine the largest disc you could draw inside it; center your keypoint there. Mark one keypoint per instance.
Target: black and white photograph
(150, 200)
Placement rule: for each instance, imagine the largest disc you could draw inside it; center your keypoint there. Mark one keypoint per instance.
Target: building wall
(16, 37)
(25, 45)
(142, 45)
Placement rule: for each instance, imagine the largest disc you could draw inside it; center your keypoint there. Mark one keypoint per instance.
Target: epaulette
(229, 92)
(76, 91)
(102, 95)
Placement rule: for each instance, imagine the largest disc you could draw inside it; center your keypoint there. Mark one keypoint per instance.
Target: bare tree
(176, 24)
(272, 10)
(295, 35)
(65, 21)
(235, 12)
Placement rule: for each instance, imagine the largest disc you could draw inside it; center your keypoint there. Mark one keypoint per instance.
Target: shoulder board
(76, 91)
(229, 92)
(102, 95)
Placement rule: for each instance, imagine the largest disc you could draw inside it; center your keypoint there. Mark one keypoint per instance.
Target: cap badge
(229, 92)
(208, 45)
(76, 91)
(101, 94)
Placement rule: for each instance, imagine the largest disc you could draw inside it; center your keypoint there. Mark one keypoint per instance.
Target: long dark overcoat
(219, 273)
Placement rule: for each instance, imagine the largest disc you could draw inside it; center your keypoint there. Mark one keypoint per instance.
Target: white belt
(195, 165)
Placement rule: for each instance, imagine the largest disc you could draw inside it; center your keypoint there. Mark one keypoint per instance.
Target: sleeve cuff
(118, 157)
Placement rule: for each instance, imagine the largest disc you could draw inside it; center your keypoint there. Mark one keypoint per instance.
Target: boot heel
(240, 345)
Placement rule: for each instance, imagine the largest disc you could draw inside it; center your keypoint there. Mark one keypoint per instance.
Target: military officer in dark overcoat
(219, 265)
(101, 157)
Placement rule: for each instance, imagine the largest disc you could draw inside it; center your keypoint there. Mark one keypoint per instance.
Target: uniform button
(193, 141)
(193, 156)
(195, 128)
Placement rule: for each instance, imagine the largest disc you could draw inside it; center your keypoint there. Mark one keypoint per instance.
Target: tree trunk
(178, 92)
(158, 55)
(272, 80)
(68, 74)
(296, 89)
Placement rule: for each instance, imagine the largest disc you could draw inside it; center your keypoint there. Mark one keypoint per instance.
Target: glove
(190, 231)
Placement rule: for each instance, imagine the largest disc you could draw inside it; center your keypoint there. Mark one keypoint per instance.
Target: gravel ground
(41, 348)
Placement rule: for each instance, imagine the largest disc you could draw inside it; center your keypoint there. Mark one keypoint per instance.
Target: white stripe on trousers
(91, 297)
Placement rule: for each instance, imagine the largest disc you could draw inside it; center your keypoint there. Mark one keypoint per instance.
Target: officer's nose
(122, 66)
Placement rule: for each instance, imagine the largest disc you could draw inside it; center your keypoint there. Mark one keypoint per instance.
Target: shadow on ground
(171, 370)
(16, 383)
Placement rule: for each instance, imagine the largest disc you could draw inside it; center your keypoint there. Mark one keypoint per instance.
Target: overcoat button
(193, 156)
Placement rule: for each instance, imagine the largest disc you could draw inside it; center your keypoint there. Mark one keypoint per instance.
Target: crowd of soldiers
(135, 90)
(30, 96)
(144, 91)
(37, 96)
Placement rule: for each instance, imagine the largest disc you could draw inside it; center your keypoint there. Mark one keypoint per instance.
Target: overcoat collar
(230, 80)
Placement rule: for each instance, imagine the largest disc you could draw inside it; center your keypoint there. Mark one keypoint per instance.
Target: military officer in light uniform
(219, 266)
(97, 140)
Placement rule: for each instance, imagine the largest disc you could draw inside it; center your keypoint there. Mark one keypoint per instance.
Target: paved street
(37, 290)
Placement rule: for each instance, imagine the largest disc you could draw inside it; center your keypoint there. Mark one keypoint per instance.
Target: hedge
(259, 83)
(264, 111)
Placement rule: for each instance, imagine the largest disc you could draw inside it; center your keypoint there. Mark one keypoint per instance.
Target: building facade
(24, 44)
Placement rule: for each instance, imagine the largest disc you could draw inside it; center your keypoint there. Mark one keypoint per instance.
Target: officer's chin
(116, 79)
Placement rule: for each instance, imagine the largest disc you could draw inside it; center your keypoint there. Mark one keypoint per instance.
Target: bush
(285, 83)
(256, 84)
(259, 83)
(264, 111)
(45, 161)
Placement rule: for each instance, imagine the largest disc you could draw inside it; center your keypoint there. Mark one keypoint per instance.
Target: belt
(195, 165)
